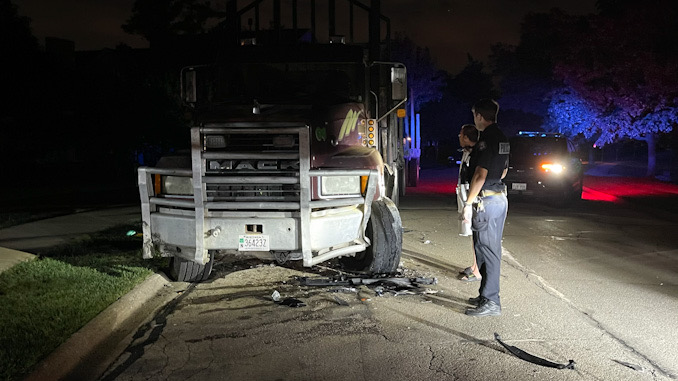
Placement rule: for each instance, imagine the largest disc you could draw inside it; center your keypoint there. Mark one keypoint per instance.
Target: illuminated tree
(525, 71)
(424, 80)
(622, 70)
(570, 114)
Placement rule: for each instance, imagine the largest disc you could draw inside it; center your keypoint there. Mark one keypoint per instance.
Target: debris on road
(356, 281)
(344, 290)
(340, 301)
(293, 302)
(531, 358)
(275, 296)
(394, 285)
(629, 365)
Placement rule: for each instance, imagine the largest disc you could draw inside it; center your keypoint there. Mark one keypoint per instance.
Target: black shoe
(475, 301)
(486, 308)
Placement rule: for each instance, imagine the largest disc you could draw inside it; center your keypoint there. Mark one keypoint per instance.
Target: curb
(89, 351)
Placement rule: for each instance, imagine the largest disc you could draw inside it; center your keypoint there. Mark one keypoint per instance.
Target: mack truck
(295, 152)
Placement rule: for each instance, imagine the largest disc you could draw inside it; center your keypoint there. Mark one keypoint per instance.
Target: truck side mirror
(188, 88)
(398, 83)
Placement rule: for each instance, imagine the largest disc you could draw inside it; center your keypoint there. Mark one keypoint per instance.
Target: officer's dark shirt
(466, 171)
(492, 153)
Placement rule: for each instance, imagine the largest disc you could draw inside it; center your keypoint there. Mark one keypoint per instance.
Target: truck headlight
(340, 185)
(177, 185)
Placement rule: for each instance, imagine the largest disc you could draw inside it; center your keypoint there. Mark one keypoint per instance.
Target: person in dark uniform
(468, 136)
(487, 205)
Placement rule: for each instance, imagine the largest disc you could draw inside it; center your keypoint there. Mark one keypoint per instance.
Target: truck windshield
(280, 83)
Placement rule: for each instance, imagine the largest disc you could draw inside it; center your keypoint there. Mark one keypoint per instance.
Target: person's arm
(476, 185)
(477, 182)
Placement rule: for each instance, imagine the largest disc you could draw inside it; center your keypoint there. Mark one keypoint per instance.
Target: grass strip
(43, 302)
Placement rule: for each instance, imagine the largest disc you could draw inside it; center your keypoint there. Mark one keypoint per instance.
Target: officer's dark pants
(488, 228)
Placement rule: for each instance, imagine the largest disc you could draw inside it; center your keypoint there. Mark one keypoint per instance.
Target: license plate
(519, 186)
(253, 242)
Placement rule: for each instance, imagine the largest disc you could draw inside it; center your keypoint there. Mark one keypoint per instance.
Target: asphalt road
(596, 283)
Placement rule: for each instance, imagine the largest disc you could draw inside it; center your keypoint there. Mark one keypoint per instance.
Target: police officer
(487, 205)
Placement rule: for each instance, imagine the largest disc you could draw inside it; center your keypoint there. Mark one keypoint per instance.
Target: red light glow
(614, 189)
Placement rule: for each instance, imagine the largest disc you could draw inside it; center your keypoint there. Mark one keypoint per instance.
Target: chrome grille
(250, 165)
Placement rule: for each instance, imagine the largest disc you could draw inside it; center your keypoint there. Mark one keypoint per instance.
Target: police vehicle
(541, 166)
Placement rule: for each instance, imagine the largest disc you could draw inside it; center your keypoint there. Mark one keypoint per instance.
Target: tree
(623, 68)
(157, 21)
(444, 118)
(525, 71)
(20, 56)
(570, 114)
(424, 80)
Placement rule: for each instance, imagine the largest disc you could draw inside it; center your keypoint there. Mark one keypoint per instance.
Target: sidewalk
(87, 353)
(10, 257)
(24, 242)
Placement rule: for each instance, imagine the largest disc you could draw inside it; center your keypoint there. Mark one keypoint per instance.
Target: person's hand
(467, 213)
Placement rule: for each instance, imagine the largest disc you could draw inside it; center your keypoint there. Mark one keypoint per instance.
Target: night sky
(450, 28)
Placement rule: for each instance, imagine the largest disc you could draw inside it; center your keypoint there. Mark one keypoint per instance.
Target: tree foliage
(424, 80)
(444, 118)
(525, 71)
(608, 76)
(623, 69)
(156, 21)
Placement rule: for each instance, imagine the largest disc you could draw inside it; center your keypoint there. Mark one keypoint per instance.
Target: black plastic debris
(340, 301)
(395, 286)
(356, 281)
(635, 367)
(531, 358)
(293, 302)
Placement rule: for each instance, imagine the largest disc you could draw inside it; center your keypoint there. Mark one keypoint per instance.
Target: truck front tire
(384, 229)
(183, 270)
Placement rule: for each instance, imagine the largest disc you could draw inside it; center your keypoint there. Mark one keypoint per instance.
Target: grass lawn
(43, 302)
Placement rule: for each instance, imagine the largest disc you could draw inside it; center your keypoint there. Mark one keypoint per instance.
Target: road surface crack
(544, 285)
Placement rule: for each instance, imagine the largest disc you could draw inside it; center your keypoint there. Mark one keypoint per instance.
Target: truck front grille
(252, 168)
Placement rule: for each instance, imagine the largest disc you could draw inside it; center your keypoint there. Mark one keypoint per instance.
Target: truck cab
(289, 157)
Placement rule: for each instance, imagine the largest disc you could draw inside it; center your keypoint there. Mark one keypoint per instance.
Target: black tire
(384, 229)
(184, 270)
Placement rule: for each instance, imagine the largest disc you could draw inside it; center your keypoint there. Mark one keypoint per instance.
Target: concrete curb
(88, 352)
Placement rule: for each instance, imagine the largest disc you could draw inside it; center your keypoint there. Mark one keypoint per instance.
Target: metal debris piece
(340, 281)
(394, 285)
(531, 358)
(422, 280)
(344, 290)
(355, 281)
(379, 291)
(403, 292)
